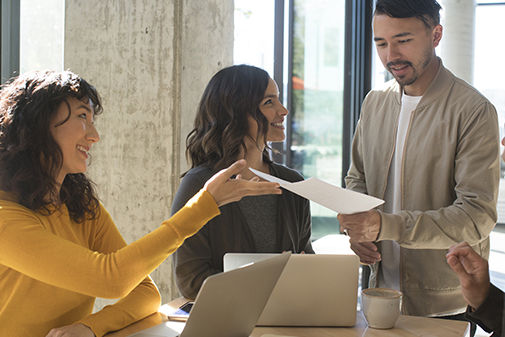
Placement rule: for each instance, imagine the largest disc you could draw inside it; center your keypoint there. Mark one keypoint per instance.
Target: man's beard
(404, 81)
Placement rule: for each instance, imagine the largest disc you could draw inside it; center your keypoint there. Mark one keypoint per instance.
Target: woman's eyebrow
(84, 106)
(270, 96)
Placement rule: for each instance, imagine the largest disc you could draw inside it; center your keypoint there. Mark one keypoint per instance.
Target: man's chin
(404, 81)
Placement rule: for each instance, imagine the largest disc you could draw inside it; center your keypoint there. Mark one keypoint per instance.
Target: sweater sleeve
(27, 247)
(142, 301)
(193, 260)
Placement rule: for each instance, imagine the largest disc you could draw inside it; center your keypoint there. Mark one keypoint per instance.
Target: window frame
(9, 38)
(357, 70)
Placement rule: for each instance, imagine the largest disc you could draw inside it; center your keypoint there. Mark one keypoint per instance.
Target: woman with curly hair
(238, 114)
(59, 248)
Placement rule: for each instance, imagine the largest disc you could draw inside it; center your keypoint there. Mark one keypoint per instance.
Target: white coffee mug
(381, 307)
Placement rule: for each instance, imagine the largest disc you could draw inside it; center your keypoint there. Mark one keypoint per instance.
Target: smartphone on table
(182, 313)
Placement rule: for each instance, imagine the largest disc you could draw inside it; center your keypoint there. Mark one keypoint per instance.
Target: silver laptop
(313, 290)
(228, 304)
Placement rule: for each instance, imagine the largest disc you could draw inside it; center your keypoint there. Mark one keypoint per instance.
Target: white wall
(458, 20)
(150, 61)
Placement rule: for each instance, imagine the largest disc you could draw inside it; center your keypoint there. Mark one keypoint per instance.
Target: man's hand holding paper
(367, 252)
(362, 228)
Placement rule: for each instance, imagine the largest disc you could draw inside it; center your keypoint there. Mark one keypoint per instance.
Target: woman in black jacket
(238, 115)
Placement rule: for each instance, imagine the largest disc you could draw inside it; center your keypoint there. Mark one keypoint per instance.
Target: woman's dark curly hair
(221, 122)
(30, 159)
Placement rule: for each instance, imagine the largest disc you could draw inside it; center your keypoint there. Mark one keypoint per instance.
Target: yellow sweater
(51, 268)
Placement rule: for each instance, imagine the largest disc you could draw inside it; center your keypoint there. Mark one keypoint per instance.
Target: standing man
(428, 144)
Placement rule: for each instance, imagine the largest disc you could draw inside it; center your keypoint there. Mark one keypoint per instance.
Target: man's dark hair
(428, 11)
(30, 158)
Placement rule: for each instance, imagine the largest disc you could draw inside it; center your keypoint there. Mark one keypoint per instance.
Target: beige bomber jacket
(449, 183)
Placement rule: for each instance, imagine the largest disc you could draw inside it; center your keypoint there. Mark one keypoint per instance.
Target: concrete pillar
(150, 61)
(458, 37)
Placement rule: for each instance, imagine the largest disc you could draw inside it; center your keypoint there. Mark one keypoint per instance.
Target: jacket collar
(438, 87)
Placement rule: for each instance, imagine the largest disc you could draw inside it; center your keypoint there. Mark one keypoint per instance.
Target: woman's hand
(73, 330)
(226, 190)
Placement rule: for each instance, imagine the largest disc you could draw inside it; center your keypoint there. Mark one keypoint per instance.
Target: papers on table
(333, 197)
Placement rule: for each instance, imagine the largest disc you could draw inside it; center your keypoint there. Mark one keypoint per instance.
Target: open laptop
(313, 290)
(228, 304)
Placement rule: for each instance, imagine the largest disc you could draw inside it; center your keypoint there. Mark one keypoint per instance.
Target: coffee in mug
(381, 307)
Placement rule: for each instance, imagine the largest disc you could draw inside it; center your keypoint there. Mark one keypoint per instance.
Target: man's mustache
(398, 63)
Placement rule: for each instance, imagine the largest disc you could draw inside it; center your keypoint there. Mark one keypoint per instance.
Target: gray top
(261, 216)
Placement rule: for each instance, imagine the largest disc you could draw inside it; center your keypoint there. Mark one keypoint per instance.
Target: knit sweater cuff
(200, 209)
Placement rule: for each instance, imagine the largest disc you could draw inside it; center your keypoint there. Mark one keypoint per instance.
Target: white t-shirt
(389, 277)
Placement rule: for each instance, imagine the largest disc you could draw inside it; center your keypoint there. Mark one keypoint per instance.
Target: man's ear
(437, 35)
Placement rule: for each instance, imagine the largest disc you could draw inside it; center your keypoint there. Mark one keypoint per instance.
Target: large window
(488, 78)
(489, 72)
(254, 37)
(41, 35)
(32, 36)
(311, 84)
(317, 98)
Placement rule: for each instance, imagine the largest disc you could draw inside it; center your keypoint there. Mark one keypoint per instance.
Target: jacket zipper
(377, 271)
(391, 155)
(402, 187)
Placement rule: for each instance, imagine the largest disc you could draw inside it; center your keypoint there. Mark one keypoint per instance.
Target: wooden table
(406, 326)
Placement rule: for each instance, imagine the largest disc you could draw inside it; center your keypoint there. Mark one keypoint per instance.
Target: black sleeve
(489, 316)
(192, 261)
(306, 224)
(192, 182)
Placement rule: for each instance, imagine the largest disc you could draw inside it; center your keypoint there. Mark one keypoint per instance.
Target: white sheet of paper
(333, 197)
